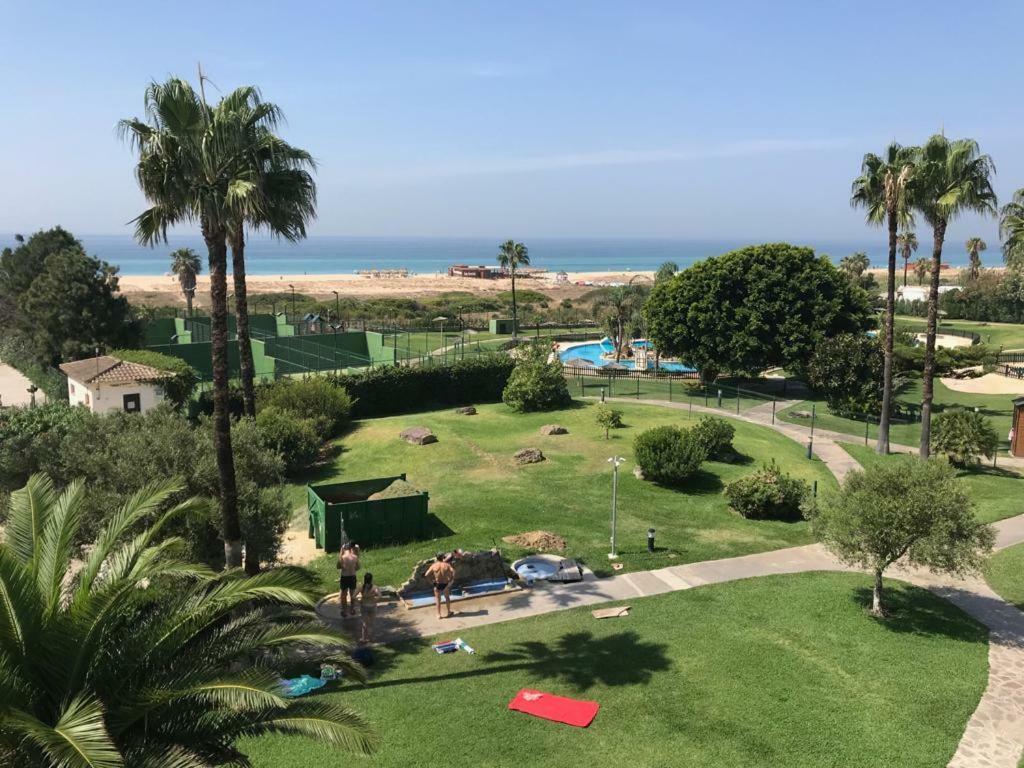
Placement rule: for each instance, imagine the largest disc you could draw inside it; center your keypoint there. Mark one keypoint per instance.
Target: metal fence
(1011, 371)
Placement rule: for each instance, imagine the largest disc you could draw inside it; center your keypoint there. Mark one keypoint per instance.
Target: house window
(133, 403)
(71, 388)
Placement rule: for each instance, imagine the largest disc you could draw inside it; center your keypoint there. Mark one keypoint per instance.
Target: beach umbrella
(578, 362)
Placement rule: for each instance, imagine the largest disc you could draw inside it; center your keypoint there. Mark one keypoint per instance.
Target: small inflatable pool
(547, 568)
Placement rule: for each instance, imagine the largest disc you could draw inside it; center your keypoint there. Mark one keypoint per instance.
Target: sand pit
(989, 384)
(946, 341)
(540, 541)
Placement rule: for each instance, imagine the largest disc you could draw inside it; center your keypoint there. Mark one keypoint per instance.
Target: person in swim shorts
(442, 575)
(348, 564)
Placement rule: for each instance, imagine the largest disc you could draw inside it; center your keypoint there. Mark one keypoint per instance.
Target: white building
(920, 292)
(103, 384)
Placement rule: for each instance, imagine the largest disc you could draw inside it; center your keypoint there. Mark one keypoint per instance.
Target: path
(994, 735)
(14, 387)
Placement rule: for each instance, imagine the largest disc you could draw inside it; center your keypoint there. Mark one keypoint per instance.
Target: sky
(738, 120)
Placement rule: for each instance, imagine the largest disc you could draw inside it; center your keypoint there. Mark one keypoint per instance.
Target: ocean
(340, 255)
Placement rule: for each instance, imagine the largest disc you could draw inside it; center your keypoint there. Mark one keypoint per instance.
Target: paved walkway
(994, 736)
(14, 387)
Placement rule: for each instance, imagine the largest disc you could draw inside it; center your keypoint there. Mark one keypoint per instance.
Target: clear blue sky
(594, 119)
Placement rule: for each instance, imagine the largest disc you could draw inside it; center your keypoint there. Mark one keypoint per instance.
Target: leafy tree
(752, 309)
(855, 265)
(72, 307)
(1011, 230)
(536, 384)
(666, 271)
(668, 454)
(953, 178)
(294, 438)
(20, 266)
(143, 659)
(903, 507)
(31, 436)
(189, 171)
(907, 242)
(185, 264)
(768, 494)
(975, 246)
(883, 190)
(963, 436)
(922, 267)
(178, 388)
(327, 406)
(847, 371)
(512, 256)
(608, 419)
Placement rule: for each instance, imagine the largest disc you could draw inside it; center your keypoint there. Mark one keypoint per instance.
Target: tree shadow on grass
(987, 470)
(917, 611)
(576, 659)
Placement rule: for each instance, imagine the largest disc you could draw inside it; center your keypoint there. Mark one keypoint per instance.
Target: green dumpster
(340, 512)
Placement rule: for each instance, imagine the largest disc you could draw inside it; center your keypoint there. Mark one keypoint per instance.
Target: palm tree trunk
(515, 311)
(906, 266)
(231, 528)
(188, 301)
(928, 383)
(246, 365)
(882, 446)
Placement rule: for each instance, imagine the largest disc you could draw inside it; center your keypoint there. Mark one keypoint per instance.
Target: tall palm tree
(882, 190)
(283, 201)
(511, 256)
(1011, 230)
(190, 170)
(141, 659)
(855, 264)
(975, 246)
(953, 178)
(620, 308)
(907, 242)
(186, 265)
(922, 268)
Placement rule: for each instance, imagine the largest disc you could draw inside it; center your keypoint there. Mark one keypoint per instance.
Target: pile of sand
(539, 541)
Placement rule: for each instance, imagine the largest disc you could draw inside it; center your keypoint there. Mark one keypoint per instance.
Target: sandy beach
(163, 289)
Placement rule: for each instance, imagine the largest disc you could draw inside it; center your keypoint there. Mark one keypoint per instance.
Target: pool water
(592, 352)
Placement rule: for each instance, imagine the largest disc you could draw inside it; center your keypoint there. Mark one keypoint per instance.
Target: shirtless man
(442, 574)
(348, 564)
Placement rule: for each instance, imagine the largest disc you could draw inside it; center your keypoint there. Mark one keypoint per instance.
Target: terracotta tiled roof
(110, 370)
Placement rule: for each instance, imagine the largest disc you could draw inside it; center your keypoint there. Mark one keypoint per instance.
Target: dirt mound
(540, 541)
(396, 490)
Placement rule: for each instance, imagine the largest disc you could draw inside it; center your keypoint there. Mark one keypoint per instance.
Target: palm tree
(881, 189)
(953, 178)
(620, 307)
(1011, 230)
(922, 268)
(190, 170)
(511, 256)
(186, 265)
(975, 246)
(855, 265)
(283, 201)
(907, 242)
(141, 659)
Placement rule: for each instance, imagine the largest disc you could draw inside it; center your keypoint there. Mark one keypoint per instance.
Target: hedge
(393, 389)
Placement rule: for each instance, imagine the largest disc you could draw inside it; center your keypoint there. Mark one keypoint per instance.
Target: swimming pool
(592, 353)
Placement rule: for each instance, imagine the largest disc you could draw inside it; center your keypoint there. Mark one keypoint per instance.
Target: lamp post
(337, 307)
(293, 298)
(616, 462)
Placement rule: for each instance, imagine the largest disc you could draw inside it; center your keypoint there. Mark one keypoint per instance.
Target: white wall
(104, 399)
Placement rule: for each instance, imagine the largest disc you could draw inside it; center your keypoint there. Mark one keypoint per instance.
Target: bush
(963, 436)
(847, 371)
(392, 389)
(608, 419)
(314, 398)
(30, 437)
(535, 383)
(768, 494)
(179, 386)
(293, 437)
(715, 436)
(668, 454)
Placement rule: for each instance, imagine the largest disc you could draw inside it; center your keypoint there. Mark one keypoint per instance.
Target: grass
(1004, 572)
(995, 491)
(479, 495)
(998, 409)
(782, 670)
(1006, 335)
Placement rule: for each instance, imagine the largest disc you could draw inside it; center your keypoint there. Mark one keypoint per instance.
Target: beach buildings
(104, 383)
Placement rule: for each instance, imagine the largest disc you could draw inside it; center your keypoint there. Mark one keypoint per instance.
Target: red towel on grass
(557, 708)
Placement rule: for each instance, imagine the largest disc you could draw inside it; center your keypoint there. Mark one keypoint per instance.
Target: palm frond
(78, 739)
(29, 508)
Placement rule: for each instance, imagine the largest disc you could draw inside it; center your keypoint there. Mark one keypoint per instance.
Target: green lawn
(480, 495)
(1006, 335)
(997, 492)
(1005, 574)
(998, 409)
(777, 671)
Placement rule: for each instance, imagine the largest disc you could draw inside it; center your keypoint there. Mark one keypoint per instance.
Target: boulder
(487, 565)
(466, 410)
(528, 456)
(801, 414)
(553, 429)
(418, 436)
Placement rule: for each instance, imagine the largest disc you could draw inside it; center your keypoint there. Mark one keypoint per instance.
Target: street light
(616, 462)
(293, 298)
(337, 307)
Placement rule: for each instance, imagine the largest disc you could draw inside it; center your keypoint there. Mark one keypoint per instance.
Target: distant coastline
(326, 255)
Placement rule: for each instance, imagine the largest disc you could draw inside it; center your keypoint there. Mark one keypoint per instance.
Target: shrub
(179, 386)
(30, 437)
(608, 419)
(314, 398)
(847, 371)
(768, 494)
(668, 454)
(293, 437)
(963, 436)
(536, 384)
(715, 436)
(395, 389)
